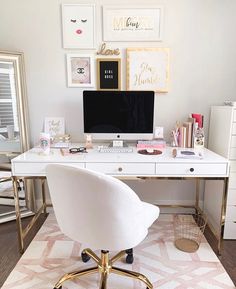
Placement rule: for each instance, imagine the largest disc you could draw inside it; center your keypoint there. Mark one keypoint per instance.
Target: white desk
(32, 164)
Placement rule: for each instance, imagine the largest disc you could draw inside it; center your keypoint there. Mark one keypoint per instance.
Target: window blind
(8, 109)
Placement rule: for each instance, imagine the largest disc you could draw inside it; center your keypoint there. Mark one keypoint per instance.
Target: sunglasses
(77, 150)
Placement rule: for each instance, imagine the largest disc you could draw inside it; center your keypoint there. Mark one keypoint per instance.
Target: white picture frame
(148, 69)
(54, 126)
(132, 23)
(80, 70)
(78, 25)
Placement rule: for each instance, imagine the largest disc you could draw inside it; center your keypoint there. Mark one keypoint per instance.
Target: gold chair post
(103, 280)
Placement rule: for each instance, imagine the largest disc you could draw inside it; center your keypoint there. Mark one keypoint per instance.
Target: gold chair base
(104, 268)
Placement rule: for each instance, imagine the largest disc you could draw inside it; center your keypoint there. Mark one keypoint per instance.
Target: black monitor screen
(118, 111)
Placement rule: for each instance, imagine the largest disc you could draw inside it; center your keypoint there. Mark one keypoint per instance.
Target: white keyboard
(60, 145)
(115, 149)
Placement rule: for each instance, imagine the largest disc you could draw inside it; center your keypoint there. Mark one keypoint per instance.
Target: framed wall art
(80, 70)
(78, 22)
(108, 73)
(132, 23)
(148, 69)
(54, 126)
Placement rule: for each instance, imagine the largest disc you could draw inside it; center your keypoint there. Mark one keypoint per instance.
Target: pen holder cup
(188, 231)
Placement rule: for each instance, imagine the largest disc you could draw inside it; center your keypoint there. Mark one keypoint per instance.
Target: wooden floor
(6, 209)
(228, 254)
(9, 254)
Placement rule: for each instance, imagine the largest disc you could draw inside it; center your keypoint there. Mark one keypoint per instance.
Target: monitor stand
(118, 143)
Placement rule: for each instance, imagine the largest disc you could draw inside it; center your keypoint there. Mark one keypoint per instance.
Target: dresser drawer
(232, 166)
(234, 117)
(233, 141)
(230, 214)
(234, 128)
(231, 197)
(123, 168)
(37, 169)
(232, 180)
(230, 230)
(188, 169)
(232, 154)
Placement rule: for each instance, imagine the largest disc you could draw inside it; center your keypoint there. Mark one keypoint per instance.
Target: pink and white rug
(51, 254)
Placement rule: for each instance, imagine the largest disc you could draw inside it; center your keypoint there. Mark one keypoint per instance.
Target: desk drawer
(37, 169)
(188, 169)
(123, 168)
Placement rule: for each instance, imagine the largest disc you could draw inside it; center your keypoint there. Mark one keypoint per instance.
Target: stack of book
(151, 144)
(183, 135)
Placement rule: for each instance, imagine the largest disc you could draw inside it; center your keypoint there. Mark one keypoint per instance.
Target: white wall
(200, 34)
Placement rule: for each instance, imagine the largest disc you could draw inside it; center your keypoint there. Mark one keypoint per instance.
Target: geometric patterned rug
(51, 254)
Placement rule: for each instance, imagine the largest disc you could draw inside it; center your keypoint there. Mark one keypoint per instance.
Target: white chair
(102, 212)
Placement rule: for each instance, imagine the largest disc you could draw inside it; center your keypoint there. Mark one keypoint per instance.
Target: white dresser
(222, 140)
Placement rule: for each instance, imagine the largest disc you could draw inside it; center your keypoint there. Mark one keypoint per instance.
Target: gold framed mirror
(14, 131)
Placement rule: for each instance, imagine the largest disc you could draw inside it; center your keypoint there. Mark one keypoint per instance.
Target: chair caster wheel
(129, 259)
(85, 257)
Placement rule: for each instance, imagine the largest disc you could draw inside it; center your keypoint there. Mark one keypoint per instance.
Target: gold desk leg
(44, 196)
(18, 215)
(22, 233)
(222, 216)
(197, 190)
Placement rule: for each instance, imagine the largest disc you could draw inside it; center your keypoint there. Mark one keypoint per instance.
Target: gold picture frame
(108, 73)
(148, 69)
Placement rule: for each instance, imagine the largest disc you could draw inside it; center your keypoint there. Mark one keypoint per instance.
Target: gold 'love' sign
(105, 51)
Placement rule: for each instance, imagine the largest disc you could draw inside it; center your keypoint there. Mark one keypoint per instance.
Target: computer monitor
(114, 115)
